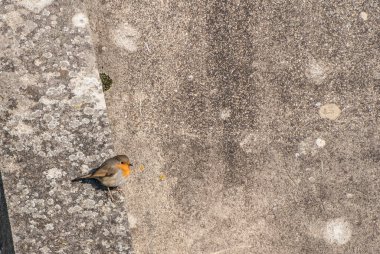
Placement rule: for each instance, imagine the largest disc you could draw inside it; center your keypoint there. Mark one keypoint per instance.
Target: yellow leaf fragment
(162, 177)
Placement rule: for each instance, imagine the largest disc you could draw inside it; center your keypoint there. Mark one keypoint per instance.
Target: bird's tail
(81, 178)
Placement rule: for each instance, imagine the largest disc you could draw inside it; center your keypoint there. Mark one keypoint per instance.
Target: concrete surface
(256, 122)
(54, 127)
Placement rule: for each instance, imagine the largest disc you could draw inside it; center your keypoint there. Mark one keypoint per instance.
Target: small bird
(112, 173)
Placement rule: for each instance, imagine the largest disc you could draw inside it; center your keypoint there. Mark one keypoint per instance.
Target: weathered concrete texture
(54, 127)
(256, 122)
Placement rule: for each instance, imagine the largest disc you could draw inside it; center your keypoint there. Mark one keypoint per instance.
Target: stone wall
(54, 128)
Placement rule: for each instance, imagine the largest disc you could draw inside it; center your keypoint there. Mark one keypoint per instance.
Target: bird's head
(122, 162)
(123, 159)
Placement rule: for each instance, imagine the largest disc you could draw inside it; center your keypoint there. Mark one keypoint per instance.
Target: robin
(112, 173)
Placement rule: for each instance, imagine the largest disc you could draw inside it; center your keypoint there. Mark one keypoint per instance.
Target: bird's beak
(130, 164)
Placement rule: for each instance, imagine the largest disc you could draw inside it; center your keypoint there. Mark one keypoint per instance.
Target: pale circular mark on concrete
(337, 231)
(330, 111)
(320, 142)
(316, 72)
(126, 36)
(364, 15)
(225, 114)
(80, 20)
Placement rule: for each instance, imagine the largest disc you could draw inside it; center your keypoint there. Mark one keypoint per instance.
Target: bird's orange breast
(125, 168)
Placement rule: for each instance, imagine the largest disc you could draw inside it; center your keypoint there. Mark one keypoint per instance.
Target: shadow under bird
(111, 174)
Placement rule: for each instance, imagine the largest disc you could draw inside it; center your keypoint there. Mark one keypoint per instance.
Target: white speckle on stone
(9, 165)
(318, 104)
(376, 73)
(349, 195)
(132, 220)
(316, 72)
(64, 64)
(74, 209)
(225, 114)
(80, 20)
(47, 118)
(14, 19)
(22, 129)
(364, 15)
(38, 62)
(35, 5)
(89, 203)
(106, 232)
(88, 111)
(54, 173)
(312, 179)
(89, 214)
(310, 146)
(47, 101)
(126, 36)
(190, 78)
(330, 111)
(45, 12)
(49, 226)
(29, 26)
(51, 125)
(45, 250)
(303, 148)
(320, 142)
(47, 54)
(16, 238)
(105, 244)
(337, 231)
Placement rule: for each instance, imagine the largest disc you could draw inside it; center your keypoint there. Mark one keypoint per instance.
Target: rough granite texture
(54, 127)
(256, 122)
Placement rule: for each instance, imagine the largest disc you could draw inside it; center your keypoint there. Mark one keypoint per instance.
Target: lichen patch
(330, 111)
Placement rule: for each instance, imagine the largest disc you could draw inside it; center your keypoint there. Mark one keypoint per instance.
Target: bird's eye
(122, 162)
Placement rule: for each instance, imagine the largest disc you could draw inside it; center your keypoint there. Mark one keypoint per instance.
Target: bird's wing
(104, 171)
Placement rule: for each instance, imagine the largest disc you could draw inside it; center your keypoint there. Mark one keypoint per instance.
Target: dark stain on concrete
(229, 63)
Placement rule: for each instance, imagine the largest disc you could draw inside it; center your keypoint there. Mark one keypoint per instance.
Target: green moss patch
(106, 81)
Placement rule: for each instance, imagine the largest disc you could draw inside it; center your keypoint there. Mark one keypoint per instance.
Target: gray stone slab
(54, 127)
(257, 122)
